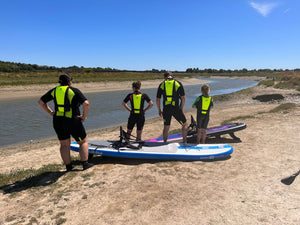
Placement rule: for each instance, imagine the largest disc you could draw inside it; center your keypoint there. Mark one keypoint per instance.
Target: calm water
(24, 121)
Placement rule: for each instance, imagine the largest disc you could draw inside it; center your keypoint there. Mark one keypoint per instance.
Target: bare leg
(139, 135)
(128, 133)
(184, 132)
(84, 153)
(65, 151)
(166, 132)
(203, 136)
(198, 135)
(83, 149)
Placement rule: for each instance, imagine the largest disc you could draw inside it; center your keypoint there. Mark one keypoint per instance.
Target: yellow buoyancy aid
(137, 102)
(170, 87)
(63, 96)
(205, 104)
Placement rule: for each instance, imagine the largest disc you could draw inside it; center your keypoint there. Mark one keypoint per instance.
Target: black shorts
(138, 119)
(170, 111)
(65, 127)
(202, 121)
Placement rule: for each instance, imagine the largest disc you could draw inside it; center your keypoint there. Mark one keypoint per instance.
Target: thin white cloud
(263, 8)
(287, 10)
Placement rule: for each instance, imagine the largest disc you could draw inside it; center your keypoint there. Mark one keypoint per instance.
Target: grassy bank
(52, 77)
(49, 77)
(284, 80)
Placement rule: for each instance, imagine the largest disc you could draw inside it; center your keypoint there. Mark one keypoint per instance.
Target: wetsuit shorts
(170, 111)
(202, 121)
(138, 119)
(64, 127)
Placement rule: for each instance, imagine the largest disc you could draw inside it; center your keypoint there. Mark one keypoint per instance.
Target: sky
(152, 34)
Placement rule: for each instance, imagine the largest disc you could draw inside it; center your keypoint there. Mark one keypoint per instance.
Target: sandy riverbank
(29, 91)
(244, 189)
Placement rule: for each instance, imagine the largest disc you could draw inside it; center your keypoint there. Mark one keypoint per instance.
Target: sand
(29, 91)
(242, 189)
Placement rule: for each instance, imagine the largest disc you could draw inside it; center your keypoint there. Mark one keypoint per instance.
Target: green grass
(283, 107)
(267, 83)
(235, 119)
(28, 176)
(227, 97)
(52, 77)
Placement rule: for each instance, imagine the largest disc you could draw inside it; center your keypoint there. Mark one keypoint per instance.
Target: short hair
(64, 79)
(137, 85)
(167, 74)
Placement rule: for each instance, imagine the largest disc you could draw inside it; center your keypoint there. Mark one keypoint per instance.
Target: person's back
(173, 103)
(137, 110)
(203, 103)
(67, 120)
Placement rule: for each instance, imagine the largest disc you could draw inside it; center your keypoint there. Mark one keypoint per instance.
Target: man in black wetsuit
(67, 119)
(173, 103)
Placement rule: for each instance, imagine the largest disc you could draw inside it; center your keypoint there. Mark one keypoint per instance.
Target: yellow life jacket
(63, 96)
(170, 87)
(205, 104)
(137, 102)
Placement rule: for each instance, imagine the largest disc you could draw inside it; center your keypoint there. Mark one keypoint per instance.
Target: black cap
(64, 79)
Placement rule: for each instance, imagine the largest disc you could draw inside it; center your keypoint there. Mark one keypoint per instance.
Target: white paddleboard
(157, 150)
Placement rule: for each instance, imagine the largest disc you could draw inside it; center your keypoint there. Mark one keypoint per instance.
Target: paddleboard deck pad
(211, 132)
(157, 151)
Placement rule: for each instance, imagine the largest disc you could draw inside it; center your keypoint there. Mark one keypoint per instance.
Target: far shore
(35, 91)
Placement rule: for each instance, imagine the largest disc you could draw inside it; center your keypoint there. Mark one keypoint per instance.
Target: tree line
(13, 67)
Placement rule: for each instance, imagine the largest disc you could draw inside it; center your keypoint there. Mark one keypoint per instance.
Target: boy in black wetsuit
(137, 111)
(203, 103)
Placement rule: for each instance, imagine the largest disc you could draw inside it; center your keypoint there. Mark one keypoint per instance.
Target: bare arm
(126, 106)
(158, 106)
(86, 107)
(150, 104)
(182, 102)
(45, 107)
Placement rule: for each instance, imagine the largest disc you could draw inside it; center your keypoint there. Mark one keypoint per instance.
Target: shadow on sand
(40, 180)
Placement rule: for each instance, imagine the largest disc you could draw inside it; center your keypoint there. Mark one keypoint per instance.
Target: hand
(160, 113)
(83, 118)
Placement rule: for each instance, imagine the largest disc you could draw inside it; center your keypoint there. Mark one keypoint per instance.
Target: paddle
(289, 180)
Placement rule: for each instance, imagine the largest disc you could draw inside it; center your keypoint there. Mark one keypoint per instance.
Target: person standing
(173, 103)
(137, 111)
(67, 120)
(203, 103)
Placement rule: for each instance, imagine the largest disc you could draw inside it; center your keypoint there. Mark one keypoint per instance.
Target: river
(24, 121)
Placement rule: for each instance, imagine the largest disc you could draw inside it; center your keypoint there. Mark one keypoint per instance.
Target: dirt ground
(242, 189)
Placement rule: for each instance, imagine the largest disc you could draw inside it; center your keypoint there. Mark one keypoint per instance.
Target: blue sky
(152, 34)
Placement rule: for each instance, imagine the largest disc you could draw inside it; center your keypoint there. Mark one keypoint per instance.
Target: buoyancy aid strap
(169, 90)
(205, 104)
(62, 101)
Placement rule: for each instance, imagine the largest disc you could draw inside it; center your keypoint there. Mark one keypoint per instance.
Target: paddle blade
(289, 180)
